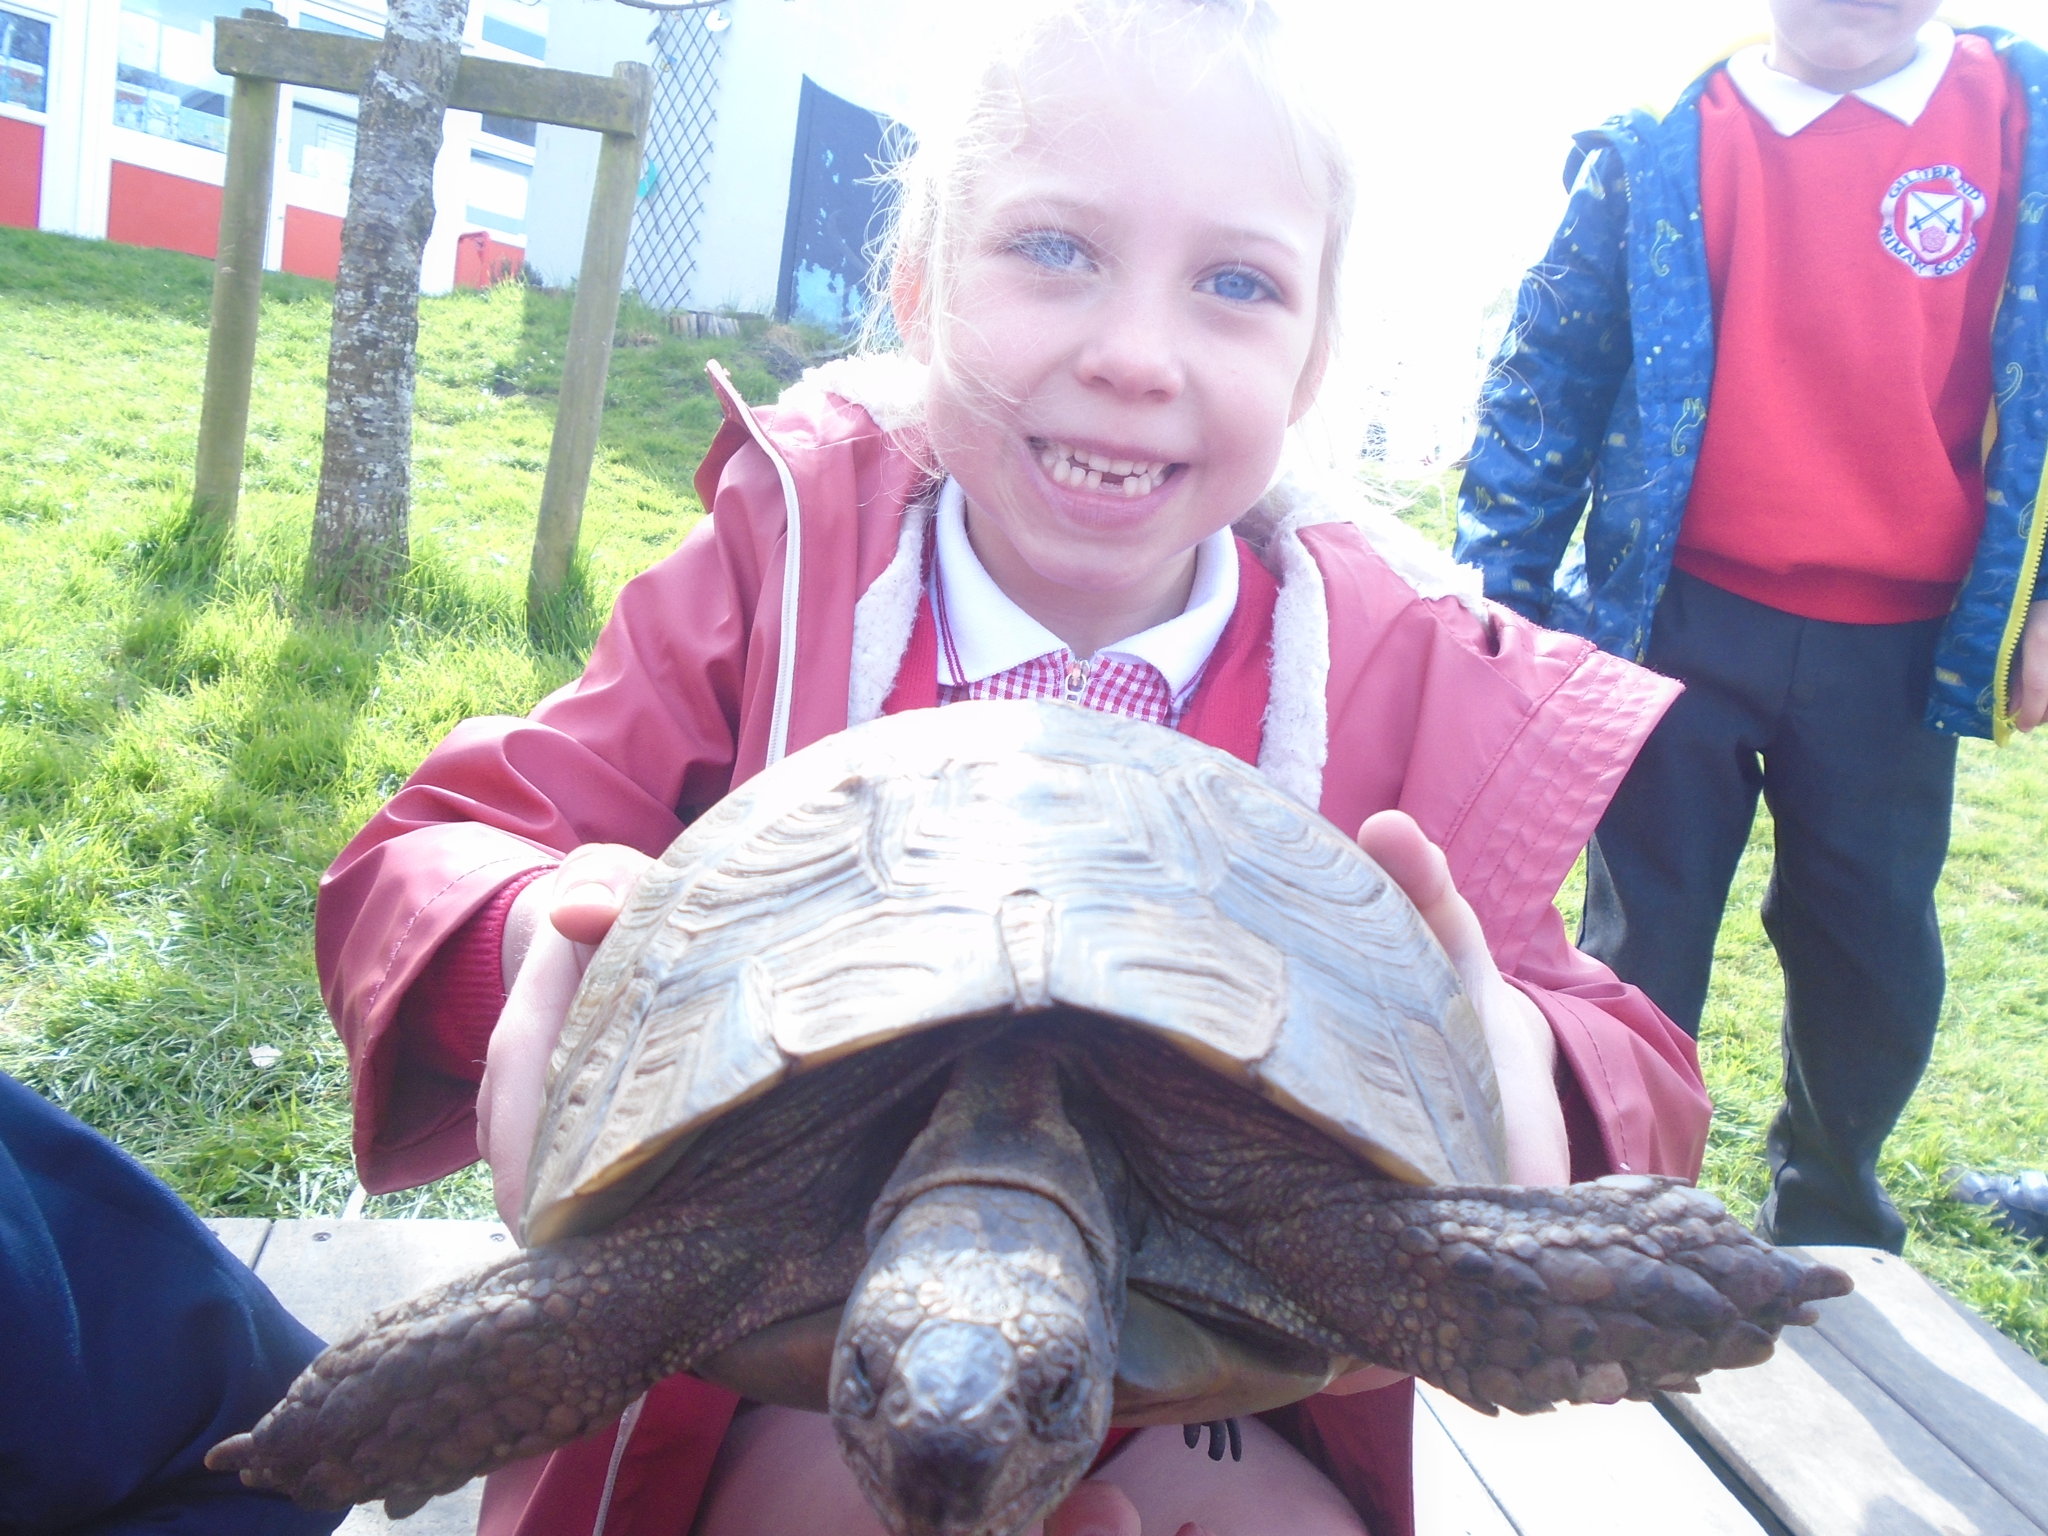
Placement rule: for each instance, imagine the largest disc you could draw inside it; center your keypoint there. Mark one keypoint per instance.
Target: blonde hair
(935, 182)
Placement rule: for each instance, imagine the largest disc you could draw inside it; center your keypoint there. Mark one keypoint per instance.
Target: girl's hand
(550, 933)
(1524, 1051)
(1094, 1509)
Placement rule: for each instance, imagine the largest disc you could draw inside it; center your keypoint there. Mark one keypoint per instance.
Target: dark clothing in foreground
(130, 1342)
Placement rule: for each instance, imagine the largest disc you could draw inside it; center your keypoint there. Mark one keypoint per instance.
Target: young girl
(1115, 288)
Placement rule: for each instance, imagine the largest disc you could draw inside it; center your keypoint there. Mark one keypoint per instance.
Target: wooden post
(260, 58)
(237, 297)
(579, 410)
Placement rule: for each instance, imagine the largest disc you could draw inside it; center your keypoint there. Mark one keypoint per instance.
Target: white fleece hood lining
(1294, 748)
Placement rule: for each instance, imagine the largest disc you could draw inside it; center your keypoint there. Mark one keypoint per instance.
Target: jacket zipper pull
(1077, 681)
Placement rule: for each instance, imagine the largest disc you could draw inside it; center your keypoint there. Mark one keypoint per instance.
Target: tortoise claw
(1222, 1433)
(232, 1454)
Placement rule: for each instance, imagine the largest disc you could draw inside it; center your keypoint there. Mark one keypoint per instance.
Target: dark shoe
(1802, 1212)
(2018, 1201)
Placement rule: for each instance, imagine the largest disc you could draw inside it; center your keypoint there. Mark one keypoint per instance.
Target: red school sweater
(1855, 268)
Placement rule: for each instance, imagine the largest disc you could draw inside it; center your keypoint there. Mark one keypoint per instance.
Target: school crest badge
(1930, 220)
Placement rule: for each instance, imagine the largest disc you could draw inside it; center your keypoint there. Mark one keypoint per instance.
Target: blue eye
(1240, 285)
(1049, 248)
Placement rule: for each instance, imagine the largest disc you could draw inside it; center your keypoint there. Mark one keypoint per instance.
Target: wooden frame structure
(260, 52)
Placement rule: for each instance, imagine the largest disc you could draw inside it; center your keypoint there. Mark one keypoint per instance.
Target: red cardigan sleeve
(446, 1017)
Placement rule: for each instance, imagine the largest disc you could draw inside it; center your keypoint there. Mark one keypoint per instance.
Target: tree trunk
(359, 520)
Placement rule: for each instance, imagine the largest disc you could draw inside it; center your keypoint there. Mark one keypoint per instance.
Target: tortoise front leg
(1521, 1298)
(1505, 1296)
(757, 1223)
(519, 1359)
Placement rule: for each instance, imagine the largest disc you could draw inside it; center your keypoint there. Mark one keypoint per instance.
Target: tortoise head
(975, 1366)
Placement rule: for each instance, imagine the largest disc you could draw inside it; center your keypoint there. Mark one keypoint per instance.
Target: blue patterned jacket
(1599, 394)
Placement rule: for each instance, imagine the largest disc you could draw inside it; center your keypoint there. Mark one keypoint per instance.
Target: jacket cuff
(1629, 1083)
(448, 1014)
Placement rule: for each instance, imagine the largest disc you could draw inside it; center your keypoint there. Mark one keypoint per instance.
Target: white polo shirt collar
(1789, 105)
(991, 634)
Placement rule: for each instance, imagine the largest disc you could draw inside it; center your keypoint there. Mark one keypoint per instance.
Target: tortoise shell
(1002, 858)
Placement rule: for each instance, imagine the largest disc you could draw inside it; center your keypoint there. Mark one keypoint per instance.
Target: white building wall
(869, 52)
(589, 37)
(78, 120)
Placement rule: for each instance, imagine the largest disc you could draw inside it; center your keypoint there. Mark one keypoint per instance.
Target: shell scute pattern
(1404, 1089)
(907, 874)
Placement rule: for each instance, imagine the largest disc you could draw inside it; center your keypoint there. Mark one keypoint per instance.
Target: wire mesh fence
(662, 255)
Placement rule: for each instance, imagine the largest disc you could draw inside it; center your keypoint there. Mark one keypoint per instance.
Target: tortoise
(987, 1076)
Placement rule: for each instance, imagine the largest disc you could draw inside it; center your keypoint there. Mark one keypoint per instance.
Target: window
(323, 142)
(520, 130)
(323, 125)
(308, 22)
(25, 62)
(518, 25)
(497, 192)
(165, 84)
(518, 39)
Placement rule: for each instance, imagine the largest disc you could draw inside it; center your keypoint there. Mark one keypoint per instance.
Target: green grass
(183, 746)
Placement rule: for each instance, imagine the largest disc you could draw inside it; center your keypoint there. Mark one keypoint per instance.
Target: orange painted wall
(312, 243)
(481, 261)
(170, 213)
(21, 172)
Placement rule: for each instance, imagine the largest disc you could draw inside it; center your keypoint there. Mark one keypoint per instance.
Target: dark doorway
(835, 210)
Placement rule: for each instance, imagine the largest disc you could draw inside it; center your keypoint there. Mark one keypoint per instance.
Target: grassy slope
(181, 751)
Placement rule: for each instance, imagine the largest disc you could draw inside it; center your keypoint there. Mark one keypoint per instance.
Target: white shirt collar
(991, 634)
(1789, 105)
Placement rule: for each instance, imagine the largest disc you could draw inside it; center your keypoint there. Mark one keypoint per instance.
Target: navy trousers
(130, 1342)
(1824, 720)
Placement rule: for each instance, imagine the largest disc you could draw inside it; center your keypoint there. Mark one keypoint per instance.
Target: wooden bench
(1901, 1414)
(1900, 1411)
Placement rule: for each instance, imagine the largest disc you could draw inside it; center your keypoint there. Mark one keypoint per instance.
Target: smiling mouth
(1085, 470)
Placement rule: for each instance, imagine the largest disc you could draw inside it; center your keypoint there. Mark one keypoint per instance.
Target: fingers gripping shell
(999, 858)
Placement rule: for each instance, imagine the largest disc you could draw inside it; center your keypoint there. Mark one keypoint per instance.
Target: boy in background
(1765, 341)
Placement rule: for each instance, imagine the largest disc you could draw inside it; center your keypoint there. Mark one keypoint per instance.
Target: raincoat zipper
(792, 566)
(2016, 619)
